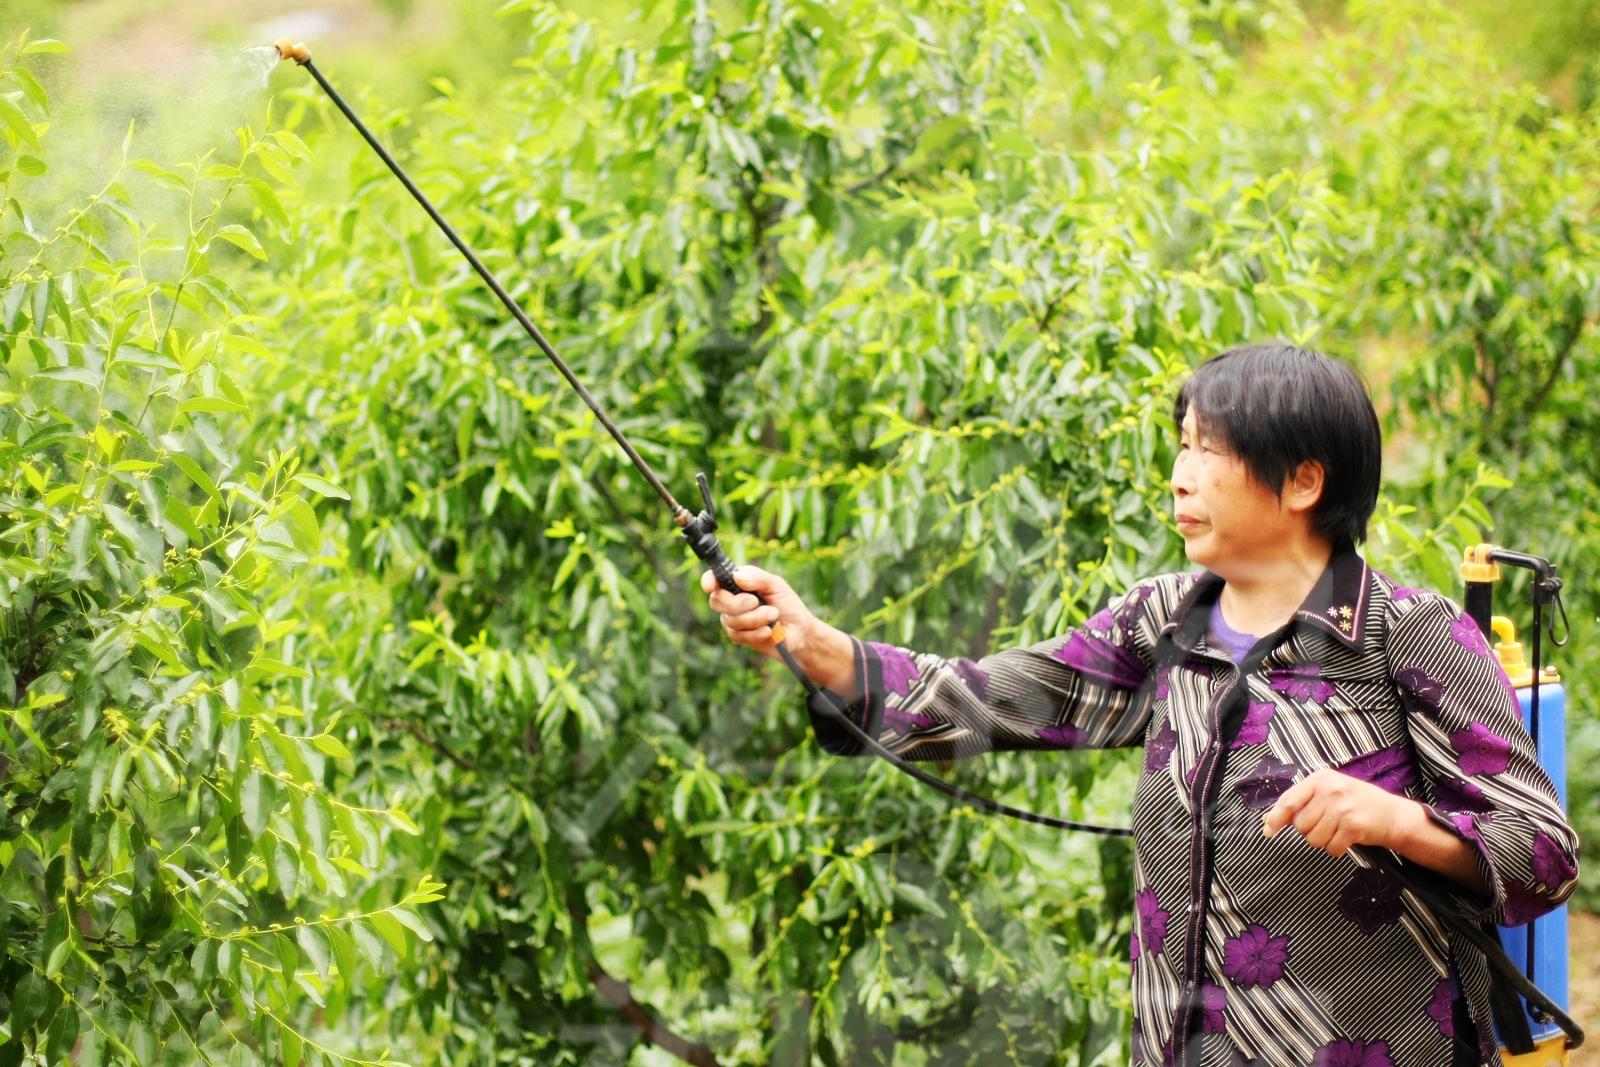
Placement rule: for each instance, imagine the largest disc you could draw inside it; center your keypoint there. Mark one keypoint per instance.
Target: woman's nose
(1182, 484)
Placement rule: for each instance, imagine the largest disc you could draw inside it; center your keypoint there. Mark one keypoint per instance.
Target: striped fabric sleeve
(1482, 774)
(1087, 688)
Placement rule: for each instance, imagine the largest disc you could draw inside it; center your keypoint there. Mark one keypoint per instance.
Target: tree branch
(877, 179)
(1486, 375)
(978, 647)
(1042, 320)
(438, 747)
(650, 1028)
(1574, 332)
(634, 537)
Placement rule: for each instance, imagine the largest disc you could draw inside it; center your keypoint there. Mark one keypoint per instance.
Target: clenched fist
(826, 654)
(749, 621)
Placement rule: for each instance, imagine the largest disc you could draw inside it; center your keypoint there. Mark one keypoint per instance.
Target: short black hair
(1278, 405)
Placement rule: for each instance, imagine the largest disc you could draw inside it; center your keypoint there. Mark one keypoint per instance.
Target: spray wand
(699, 530)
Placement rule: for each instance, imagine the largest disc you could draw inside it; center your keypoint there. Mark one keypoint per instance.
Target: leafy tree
(301, 533)
(188, 874)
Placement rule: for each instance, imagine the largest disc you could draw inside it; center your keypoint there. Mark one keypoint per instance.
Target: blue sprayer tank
(1549, 931)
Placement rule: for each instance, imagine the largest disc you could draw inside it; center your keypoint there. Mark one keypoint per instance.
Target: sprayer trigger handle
(705, 495)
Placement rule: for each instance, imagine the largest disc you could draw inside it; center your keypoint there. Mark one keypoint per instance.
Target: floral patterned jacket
(1247, 948)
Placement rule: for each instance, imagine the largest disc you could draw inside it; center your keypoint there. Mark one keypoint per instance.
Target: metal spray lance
(699, 530)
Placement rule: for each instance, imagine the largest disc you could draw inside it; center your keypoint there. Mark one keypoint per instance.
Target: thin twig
(437, 746)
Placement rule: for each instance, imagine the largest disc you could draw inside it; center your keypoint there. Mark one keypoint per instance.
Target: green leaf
(29, 999)
(426, 892)
(256, 801)
(240, 237)
(43, 45)
(290, 1046)
(211, 404)
(413, 922)
(197, 475)
(369, 944)
(402, 820)
(313, 824)
(14, 120)
(310, 940)
(344, 953)
(288, 962)
(391, 931)
(267, 202)
(31, 87)
(321, 485)
(331, 745)
(918, 898)
(63, 1035)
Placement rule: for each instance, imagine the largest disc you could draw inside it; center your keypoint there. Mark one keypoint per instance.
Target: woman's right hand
(748, 621)
(825, 653)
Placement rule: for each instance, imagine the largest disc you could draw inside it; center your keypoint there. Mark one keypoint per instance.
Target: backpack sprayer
(1543, 944)
(1538, 947)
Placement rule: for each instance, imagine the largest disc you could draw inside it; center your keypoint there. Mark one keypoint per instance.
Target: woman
(1292, 703)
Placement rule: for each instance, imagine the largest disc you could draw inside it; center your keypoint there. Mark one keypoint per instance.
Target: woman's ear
(1303, 488)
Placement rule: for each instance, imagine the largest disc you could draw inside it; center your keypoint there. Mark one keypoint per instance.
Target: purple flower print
(1158, 750)
(1371, 900)
(1353, 1054)
(1302, 682)
(1467, 826)
(1133, 946)
(1064, 736)
(1253, 730)
(1551, 866)
(1269, 780)
(1128, 614)
(898, 670)
(1468, 636)
(1458, 794)
(1439, 1008)
(1101, 621)
(1388, 768)
(1420, 693)
(974, 677)
(1152, 921)
(1102, 660)
(1162, 674)
(1523, 904)
(1482, 750)
(1486, 1043)
(1404, 592)
(1213, 1008)
(1255, 957)
(1200, 667)
(903, 722)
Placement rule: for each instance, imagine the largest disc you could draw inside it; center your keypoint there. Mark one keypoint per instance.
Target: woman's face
(1226, 518)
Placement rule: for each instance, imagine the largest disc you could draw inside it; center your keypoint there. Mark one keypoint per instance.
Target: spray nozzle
(296, 51)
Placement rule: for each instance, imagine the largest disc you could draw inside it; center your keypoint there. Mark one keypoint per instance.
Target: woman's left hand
(1333, 811)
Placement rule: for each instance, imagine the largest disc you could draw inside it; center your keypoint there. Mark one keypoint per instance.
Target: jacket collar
(1339, 602)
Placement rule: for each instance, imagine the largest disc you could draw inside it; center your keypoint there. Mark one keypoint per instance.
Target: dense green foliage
(359, 703)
